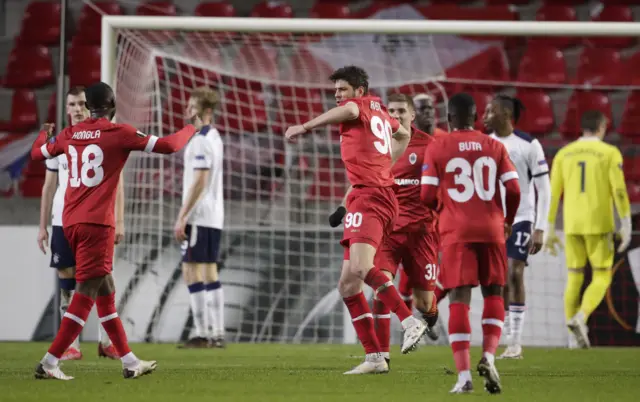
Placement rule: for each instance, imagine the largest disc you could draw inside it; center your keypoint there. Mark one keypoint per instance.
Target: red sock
(440, 293)
(387, 293)
(460, 335)
(112, 324)
(492, 322)
(382, 323)
(405, 290)
(72, 323)
(363, 322)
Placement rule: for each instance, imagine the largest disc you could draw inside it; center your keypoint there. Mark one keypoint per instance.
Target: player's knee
(349, 287)
(67, 273)
(602, 276)
(211, 273)
(423, 299)
(460, 295)
(491, 290)
(90, 287)
(191, 273)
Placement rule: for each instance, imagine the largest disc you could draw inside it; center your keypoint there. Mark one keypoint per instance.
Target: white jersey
(205, 151)
(528, 157)
(58, 164)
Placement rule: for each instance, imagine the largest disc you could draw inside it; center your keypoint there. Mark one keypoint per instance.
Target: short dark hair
(354, 75)
(462, 110)
(513, 105)
(591, 120)
(75, 91)
(399, 97)
(100, 99)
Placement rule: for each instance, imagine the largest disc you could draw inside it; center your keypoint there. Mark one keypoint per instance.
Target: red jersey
(467, 167)
(97, 151)
(438, 132)
(414, 214)
(365, 143)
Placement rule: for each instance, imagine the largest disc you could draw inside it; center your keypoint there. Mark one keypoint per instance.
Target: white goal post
(281, 261)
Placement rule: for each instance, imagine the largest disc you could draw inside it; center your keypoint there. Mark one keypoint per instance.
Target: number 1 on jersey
(583, 166)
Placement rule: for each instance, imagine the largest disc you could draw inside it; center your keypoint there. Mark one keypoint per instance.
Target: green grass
(310, 373)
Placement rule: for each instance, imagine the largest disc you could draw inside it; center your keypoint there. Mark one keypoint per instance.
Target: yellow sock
(595, 292)
(575, 278)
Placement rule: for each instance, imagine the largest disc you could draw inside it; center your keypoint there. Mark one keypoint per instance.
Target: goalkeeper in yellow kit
(589, 173)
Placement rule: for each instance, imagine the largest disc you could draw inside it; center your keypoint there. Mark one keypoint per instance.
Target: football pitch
(274, 372)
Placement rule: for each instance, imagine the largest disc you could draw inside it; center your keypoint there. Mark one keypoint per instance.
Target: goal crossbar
(110, 23)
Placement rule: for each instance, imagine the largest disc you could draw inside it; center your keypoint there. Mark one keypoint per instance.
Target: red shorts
(370, 216)
(92, 246)
(471, 264)
(418, 253)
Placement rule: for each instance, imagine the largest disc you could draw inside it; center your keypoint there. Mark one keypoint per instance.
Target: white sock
(65, 300)
(198, 308)
(516, 322)
(129, 360)
(103, 337)
(491, 358)
(218, 305)
(464, 376)
(211, 312)
(49, 360)
(506, 328)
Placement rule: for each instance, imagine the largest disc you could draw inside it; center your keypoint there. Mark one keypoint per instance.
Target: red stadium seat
(29, 67)
(272, 9)
(299, 105)
(84, 65)
(506, 2)
(157, 8)
(537, 118)
(542, 64)
(215, 9)
(323, 9)
(193, 76)
(31, 187)
(302, 66)
(329, 182)
(631, 168)
(24, 113)
(555, 12)
(41, 24)
(633, 188)
(612, 13)
(244, 112)
(456, 12)
(596, 63)
(630, 123)
(90, 21)
(34, 169)
(51, 109)
(249, 60)
(580, 102)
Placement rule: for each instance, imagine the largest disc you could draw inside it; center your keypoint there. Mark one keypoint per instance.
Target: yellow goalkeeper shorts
(598, 249)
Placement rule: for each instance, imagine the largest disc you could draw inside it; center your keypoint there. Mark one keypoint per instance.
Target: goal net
(280, 261)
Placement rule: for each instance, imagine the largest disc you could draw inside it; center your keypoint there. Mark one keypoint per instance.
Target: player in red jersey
(97, 150)
(366, 132)
(465, 169)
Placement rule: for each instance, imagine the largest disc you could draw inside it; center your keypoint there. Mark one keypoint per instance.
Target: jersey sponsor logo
(425, 167)
(407, 182)
(140, 134)
(469, 146)
(86, 135)
(199, 157)
(413, 158)
(542, 162)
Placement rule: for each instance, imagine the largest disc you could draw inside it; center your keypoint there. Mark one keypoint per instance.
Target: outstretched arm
(621, 200)
(42, 148)
(399, 143)
(339, 114)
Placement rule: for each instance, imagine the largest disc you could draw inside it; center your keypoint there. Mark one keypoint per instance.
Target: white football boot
(45, 372)
(142, 368)
(462, 387)
(374, 363)
(578, 327)
(512, 352)
(413, 331)
(487, 369)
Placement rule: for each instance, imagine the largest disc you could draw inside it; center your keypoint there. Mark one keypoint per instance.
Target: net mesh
(280, 261)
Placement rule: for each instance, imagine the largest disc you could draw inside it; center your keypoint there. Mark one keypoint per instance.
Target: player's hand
(536, 242)
(48, 128)
(335, 219)
(625, 239)
(294, 131)
(551, 242)
(43, 239)
(119, 232)
(507, 230)
(179, 230)
(196, 121)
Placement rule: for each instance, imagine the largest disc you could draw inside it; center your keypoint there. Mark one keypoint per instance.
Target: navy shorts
(61, 254)
(519, 242)
(202, 244)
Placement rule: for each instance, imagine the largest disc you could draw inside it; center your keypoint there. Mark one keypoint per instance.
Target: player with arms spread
(200, 220)
(366, 132)
(588, 174)
(52, 205)
(97, 151)
(528, 157)
(465, 168)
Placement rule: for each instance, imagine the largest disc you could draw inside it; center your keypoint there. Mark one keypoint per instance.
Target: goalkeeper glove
(335, 219)
(624, 233)
(551, 241)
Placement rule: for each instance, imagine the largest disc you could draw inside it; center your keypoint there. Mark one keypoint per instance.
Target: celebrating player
(97, 150)
(465, 169)
(588, 173)
(200, 221)
(366, 132)
(413, 241)
(528, 157)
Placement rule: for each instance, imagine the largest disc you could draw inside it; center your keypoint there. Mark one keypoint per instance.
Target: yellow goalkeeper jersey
(588, 172)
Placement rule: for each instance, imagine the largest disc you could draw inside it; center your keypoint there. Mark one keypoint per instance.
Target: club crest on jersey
(413, 158)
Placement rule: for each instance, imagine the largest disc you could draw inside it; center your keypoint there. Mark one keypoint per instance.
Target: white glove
(624, 233)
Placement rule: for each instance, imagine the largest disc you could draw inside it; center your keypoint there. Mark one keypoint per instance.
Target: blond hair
(206, 98)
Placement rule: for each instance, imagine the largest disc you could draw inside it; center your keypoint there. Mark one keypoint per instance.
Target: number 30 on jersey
(471, 178)
(91, 171)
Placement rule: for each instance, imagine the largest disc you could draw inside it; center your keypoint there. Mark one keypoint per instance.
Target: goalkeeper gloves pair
(335, 219)
(552, 240)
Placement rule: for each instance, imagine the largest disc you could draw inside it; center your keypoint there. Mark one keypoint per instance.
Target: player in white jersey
(52, 204)
(199, 223)
(530, 223)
